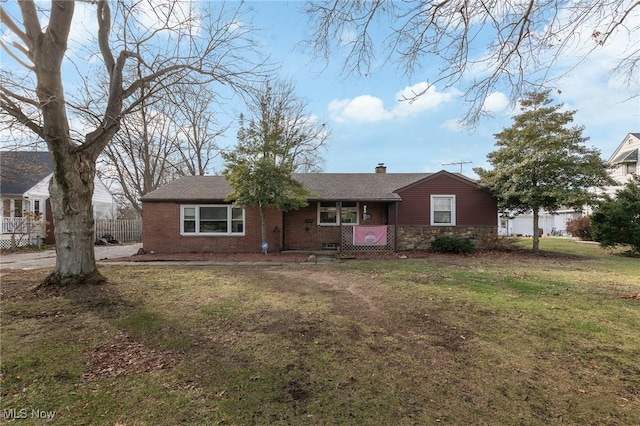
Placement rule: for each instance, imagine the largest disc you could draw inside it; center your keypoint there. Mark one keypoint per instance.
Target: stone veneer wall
(419, 237)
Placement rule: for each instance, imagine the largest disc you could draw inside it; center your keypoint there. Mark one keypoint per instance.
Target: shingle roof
(20, 170)
(627, 157)
(357, 186)
(323, 186)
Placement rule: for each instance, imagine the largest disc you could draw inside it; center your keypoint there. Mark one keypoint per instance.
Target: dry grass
(504, 338)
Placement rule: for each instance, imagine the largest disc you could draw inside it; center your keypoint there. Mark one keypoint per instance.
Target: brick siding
(300, 234)
(161, 230)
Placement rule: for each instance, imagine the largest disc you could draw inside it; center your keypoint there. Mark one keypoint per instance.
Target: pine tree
(542, 163)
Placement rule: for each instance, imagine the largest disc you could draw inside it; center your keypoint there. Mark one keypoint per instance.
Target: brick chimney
(381, 168)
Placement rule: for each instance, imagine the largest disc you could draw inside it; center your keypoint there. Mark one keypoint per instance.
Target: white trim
(197, 233)
(453, 210)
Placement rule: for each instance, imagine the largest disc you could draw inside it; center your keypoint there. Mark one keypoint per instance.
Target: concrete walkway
(47, 259)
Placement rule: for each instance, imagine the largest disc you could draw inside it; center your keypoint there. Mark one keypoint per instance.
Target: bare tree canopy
(53, 88)
(478, 45)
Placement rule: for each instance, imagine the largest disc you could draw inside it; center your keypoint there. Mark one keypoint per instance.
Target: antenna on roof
(457, 162)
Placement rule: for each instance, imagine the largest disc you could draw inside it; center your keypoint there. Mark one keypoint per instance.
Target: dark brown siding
(474, 206)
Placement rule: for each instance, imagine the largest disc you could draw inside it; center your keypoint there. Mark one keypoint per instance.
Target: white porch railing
(20, 231)
(12, 225)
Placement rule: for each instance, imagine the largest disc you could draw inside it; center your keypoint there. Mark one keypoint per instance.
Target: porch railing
(16, 225)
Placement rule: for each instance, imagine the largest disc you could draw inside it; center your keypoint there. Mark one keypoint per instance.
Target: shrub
(617, 221)
(580, 227)
(495, 242)
(446, 244)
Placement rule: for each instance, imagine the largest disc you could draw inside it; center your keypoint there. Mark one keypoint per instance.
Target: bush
(445, 244)
(617, 221)
(580, 227)
(495, 242)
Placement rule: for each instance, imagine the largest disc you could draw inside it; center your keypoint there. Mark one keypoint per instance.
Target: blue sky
(370, 125)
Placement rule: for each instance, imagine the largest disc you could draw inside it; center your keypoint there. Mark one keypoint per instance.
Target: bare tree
(278, 140)
(171, 134)
(198, 130)
(167, 42)
(281, 126)
(140, 159)
(490, 43)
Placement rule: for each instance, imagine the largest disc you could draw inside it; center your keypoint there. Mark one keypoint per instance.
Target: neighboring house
(24, 191)
(625, 162)
(550, 224)
(349, 211)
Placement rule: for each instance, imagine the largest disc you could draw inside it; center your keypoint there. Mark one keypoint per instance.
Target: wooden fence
(120, 229)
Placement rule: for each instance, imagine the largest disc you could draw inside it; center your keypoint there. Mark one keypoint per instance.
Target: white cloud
(409, 102)
(454, 125)
(360, 108)
(495, 102)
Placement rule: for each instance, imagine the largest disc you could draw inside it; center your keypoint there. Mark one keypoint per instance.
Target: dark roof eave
(377, 199)
(221, 200)
(184, 200)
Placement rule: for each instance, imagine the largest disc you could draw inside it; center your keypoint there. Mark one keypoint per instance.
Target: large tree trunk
(71, 190)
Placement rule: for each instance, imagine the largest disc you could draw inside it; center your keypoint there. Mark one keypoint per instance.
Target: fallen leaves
(123, 355)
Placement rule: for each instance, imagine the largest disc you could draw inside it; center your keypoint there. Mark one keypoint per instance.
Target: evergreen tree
(542, 163)
(617, 221)
(276, 142)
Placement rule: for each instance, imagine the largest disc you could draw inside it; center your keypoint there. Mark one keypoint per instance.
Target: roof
(627, 151)
(323, 186)
(627, 157)
(21, 170)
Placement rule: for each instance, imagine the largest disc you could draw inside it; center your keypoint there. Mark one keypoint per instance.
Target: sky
(370, 125)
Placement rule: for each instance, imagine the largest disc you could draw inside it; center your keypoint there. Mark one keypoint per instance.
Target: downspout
(395, 227)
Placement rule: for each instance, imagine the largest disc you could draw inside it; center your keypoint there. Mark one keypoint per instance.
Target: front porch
(21, 231)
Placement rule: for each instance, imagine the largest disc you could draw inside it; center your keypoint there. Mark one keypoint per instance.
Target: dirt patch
(631, 296)
(123, 355)
(300, 257)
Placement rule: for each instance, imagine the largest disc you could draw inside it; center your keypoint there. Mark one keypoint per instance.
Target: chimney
(381, 168)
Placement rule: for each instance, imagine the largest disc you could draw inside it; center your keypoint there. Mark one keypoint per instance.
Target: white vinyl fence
(120, 229)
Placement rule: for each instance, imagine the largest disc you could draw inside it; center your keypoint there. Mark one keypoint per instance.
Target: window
(631, 168)
(327, 213)
(349, 212)
(212, 220)
(331, 213)
(443, 210)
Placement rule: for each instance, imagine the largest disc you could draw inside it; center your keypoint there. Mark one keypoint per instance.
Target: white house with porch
(24, 192)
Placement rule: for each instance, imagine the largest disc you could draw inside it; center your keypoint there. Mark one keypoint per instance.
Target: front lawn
(491, 339)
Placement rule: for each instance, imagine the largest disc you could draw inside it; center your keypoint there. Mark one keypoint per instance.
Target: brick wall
(299, 234)
(161, 232)
(419, 237)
